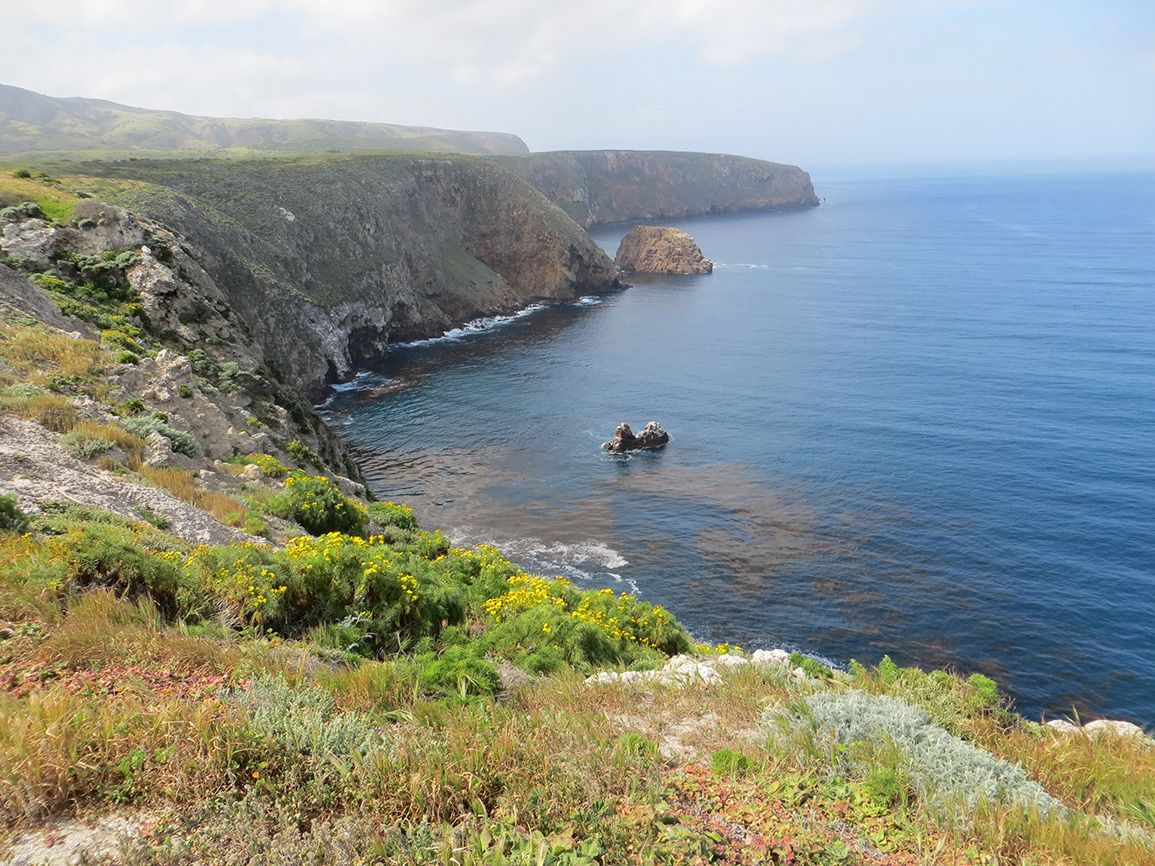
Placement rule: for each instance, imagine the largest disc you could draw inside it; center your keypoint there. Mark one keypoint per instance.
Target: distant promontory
(611, 186)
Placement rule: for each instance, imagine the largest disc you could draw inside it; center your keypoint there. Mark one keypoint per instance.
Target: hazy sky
(810, 81)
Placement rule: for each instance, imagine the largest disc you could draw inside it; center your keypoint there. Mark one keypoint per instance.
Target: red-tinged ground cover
(791, 819)
(21, 680)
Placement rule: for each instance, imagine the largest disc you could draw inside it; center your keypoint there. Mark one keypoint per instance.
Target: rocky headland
(598, 187)
(661, 250)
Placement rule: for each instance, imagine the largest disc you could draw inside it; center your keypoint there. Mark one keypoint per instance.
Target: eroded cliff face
(609, 186)
(330, 260)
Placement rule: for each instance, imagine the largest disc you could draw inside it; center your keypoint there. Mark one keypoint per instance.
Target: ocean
(917, 420)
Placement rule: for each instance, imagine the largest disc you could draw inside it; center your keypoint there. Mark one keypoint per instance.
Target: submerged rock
(652, 436)
(661, 250)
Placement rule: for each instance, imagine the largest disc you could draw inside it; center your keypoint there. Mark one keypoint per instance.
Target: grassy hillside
(33, 123)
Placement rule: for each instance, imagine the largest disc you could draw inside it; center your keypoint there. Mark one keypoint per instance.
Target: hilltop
(32, 122)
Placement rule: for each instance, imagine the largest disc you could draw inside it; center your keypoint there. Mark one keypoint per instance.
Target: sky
(811, 82)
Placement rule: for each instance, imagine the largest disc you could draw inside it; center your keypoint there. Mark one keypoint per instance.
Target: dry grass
(32, 353)
(51, 411)
(58, 749)
(101, 629)
(182, 484)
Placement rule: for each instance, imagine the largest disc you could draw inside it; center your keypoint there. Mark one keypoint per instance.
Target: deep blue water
(918, 420)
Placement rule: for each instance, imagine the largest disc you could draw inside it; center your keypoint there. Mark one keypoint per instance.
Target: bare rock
(1063, 726)
(661, 250)
(20, 297)
(1113, 727)
(651, 437)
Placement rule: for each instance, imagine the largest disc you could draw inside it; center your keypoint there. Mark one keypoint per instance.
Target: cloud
(502, 42)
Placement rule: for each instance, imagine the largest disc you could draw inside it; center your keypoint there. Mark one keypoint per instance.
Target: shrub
(22, 172)
(85, 446)
(185, 391)
(811, 666)
(392, 514)
(303, 454)
(269, 465)
(182, 442)
(24, 210)
(943, 768)
(316, 503)
(110, 557)
(12, 519)
(304, 722)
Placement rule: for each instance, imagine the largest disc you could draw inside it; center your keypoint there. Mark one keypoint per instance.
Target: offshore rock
(661, 250)
(651, 437)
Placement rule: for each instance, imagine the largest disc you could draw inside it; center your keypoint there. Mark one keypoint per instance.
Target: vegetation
(390, 698)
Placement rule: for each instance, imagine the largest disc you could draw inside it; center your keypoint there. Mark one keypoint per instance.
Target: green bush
(811, 666)
(185, 391)
(84, 446)
(145, 425)
(392, 514)
(270, 466)
(24, 210)
(110, 557)
(12, 519)
(303, 454)
(305, 722)
(318, 505)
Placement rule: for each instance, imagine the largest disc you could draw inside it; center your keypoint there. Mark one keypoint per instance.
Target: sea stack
(651, 437)
(661, 250)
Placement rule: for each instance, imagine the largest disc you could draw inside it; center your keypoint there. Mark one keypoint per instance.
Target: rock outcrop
(661, 250)
(610, 186)
(327, 261)
(651, 437)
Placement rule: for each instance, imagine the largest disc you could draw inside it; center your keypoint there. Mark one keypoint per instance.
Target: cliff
(609, 186)
(31, 121)
(329, 259)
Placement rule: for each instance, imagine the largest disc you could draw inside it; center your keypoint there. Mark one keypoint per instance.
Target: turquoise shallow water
(919, 419)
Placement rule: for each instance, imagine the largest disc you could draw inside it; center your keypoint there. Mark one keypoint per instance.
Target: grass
(114, 695)
(58, 203)
(182, 483)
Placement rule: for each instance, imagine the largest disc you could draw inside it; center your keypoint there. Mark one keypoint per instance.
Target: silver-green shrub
(305, 721)
(942, 767)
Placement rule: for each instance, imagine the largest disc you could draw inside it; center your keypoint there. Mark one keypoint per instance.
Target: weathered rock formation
(661, 250)
(651, 437)
(327, 261)
(610, 186)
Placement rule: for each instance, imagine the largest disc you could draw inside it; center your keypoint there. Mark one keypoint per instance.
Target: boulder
(651, 437)
(661, 250)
